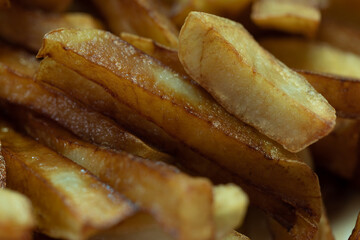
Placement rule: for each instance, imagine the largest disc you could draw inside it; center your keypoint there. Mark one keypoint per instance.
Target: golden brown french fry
(69, 202)
(223, 58)
(338, 152)
(313, 56)
(231, 8)
(16, 216)
(2, 170)
(140, 17)
(341, 92)
(155, 187)
(27, 27)
(355, 235)
(274, 179)
(340, 35)
(19, 88)
(47, 5)
(291, 16)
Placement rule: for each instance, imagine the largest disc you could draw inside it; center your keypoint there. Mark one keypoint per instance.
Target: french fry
(338, 152)
(47, 5)
(181, 8)
(19, 88)
(155, 187)
(29, 26)
(2, 171)
(149, 22)
(292, 16)
(355, 235)
(274, 178)
(313, 56)
(16, 217)
(69, 202)
(223, 58)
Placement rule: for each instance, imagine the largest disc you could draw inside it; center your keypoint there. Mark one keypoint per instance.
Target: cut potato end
(251, 84)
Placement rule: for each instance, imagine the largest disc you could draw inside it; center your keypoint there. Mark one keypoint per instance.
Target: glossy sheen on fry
(178, 107)
(16, 216)
(139, 17)
(69, 202)
(181, 204)
(29, 26)
(248, 82)
(19, 88)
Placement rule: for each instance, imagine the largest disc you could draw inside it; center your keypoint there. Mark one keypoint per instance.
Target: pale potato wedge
(140, 17)
(16, 216)
(29, 26)
(289, 16)
(355, 235)
(2, 170)
(251, 84)
(313, 56)
(16, 71)
(275, 179)
(155, 187)
(181, 8)
(68, 201)
(338, 152)
(46, 5)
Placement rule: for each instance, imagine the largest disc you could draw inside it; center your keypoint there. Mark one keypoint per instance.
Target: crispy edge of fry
(43, 180)
(355, 235)
(148, 22)
(297, 217)
(29, 26)
(293, 18)
(16, 216)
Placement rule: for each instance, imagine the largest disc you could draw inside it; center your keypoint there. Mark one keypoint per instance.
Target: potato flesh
(288, 16)
(313, 56)
(231, 146)
(29, 26)
(180, 203)
(149, 22)
(76, 203)
(16, 216)
(251, 84)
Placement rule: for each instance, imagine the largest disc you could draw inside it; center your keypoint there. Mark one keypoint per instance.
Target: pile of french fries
(165, 119)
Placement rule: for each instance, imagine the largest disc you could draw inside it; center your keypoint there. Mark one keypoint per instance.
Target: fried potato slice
(313, 56)
(46, 5)
(149, 22)
(251, 84)
(19, 88)
(181, 8)
(27, 27)
(69, 202)
(16, 216)
(2, 170)
(338, 152)
(289, 16)
(355, 235)
(156, 187)
(288, 188)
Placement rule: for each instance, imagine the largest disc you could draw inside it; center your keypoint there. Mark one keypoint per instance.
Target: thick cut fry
(313, 56)
(140, 17)
(69, 202)
(2, 171)
(341, 92)
(16, 216)
(251, 84)
(156, 187)
(29, 26)
(278, 183)
(19, 88)
(231, 8)
(338, 152)
(355, 235)
(46, 5)
(289, 16)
